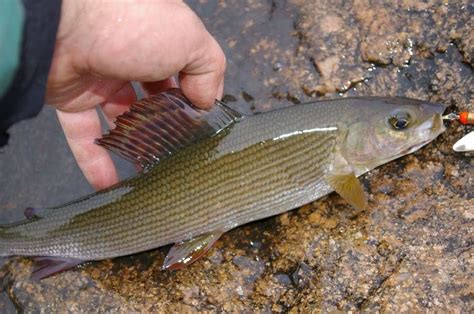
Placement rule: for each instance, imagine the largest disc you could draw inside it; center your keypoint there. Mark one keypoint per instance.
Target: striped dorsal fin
(158, 126)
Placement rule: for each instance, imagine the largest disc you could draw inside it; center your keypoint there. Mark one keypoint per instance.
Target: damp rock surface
(411, 250)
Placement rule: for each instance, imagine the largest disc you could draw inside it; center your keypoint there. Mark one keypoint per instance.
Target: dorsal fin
(158, 126)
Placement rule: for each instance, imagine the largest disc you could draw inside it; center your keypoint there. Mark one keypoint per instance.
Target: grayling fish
(206, 172)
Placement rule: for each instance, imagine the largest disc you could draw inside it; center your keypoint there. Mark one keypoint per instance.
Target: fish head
(389, 128)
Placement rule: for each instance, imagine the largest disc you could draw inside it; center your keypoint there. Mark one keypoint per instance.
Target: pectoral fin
(348, 187)
(187, 252)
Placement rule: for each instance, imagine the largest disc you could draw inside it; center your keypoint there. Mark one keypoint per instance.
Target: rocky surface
(411, 250)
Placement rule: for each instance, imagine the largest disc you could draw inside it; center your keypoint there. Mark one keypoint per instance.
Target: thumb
(202, 80)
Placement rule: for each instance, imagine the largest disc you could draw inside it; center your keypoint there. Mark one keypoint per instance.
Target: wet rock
(301, 277)
(410, 250)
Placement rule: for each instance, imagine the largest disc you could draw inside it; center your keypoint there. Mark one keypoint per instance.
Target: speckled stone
(411, 250)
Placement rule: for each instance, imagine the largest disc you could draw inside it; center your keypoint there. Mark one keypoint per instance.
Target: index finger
(81, 129)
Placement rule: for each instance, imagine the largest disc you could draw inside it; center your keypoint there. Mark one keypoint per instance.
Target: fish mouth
(430, 129)
(433, 127)
(437, 125)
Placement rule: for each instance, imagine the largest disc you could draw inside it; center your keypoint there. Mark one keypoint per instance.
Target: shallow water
(412, 248)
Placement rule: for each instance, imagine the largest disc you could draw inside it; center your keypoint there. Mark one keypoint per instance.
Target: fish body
(249, 168)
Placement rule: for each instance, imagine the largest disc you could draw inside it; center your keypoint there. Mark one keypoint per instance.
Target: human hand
(104, 45)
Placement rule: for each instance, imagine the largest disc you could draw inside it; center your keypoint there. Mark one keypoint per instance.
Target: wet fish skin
(256, 167)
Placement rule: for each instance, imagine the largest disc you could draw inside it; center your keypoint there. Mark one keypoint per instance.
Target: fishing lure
(463, 117)
(466, 143)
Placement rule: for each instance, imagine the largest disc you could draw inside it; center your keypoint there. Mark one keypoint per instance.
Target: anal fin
(186, 252)
(45, 266)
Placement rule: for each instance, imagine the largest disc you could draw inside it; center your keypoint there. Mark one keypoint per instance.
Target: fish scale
(202, 197)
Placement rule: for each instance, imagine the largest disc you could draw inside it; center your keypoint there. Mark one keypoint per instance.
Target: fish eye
(399, 120)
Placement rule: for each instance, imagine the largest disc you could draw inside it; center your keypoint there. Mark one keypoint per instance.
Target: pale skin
(104, 45)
